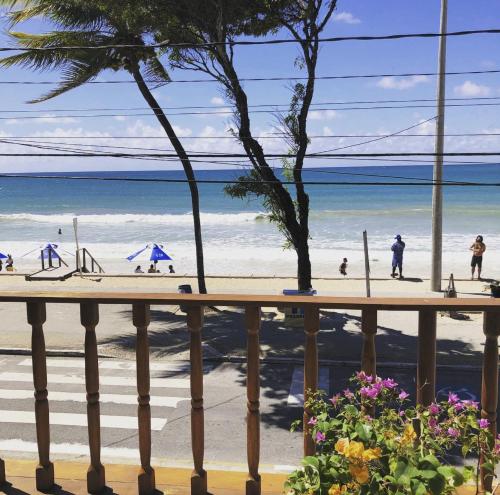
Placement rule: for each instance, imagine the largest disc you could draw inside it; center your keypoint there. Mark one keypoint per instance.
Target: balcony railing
(194, 304)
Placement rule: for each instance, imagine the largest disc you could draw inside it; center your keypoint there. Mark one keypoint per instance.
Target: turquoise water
(116, 217)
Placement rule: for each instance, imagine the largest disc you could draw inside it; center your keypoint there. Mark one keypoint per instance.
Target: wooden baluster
(199, 475)
(311, 326)
(489, 392)
(141, 319)
(89, 317)
(252, 321)
(2, 471)
(45, 469)
(368, 353)
(426, 357)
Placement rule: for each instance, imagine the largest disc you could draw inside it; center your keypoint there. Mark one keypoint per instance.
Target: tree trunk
(303, 265)
(188, 170)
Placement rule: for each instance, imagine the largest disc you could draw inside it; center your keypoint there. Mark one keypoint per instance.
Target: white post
(75, 227)
(367, 264)
(437, 193)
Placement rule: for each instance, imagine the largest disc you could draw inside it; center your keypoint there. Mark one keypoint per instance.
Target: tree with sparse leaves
(97, 24)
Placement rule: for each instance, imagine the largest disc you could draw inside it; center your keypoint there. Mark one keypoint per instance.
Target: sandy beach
(459, 341)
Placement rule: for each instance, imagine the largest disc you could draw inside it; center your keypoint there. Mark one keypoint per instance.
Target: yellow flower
(337, 489)
(359, 472)
(372, 454)
(355, 450)
(342, 445)
(409, 435)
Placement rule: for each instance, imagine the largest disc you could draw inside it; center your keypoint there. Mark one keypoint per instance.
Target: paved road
(225, 406)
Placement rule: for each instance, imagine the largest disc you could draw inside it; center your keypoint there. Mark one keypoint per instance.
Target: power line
(166, 44)
(231, 112)
(260, 105)
(221, 181)
(268, 79)
(241, 155)
(274, 135)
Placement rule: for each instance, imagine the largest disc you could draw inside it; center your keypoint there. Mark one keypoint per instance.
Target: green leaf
(310, 460)
(437, 485)
(429, 460)
(364, 431)
(428, 474)
(417, 487)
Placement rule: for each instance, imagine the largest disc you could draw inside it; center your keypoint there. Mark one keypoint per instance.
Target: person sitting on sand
(9, 264)
(477, 248)
(171, 269)
(1, 265)
(343, 267)
(397, 256)
(152, 269)
(138, 269)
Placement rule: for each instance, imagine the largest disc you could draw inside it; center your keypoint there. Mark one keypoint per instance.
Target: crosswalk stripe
(110, 365)
(104, 380)
(296, 395)
(158, 401)
(113, 453)
(72, 419)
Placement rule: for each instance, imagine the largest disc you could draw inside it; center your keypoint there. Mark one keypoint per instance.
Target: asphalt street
(225, 409)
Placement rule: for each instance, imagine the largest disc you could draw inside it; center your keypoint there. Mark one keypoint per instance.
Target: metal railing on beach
(89, 317)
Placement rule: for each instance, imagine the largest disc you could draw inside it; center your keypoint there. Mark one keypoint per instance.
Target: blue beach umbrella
(45, 253)
(2, 256)
(157, 253)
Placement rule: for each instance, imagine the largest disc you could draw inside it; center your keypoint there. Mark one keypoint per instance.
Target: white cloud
(346, 17)
(469, 88)
(217, 100)
(323, 115)
(139, 128)
(488, 64)
(120, 118)
(402, 82)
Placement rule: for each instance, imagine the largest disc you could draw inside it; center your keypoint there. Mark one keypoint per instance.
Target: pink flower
(312, 421)
(320, 437)
(432, 423)
(389, 383)
(453, 432)
(401, 413)
(483, 423)
(363, 377)
(434, 409)
(459, 406)
(453, 398)
(471, 403)
(403, 395)
(348, 394)
(335, 399)
(369, 392)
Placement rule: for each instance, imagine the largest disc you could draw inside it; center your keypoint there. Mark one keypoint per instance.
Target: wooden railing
(89, 265)
(89, 311)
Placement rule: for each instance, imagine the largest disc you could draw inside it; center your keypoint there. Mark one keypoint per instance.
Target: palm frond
(155, 72)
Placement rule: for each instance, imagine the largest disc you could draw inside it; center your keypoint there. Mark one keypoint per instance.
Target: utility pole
(437, 192)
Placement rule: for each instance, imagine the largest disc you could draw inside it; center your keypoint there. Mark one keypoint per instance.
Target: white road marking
(18, 445)
(81, 397)
(71, 419)
(110, 365)
(296, 395)
(104, 380)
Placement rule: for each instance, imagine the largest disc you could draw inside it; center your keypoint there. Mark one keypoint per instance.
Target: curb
(12, 351)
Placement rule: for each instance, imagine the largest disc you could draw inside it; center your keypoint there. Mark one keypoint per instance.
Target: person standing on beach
(477, 248)
(343, 267)
(397, 256)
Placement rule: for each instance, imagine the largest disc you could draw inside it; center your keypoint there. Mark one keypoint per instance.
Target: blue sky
(352, 18)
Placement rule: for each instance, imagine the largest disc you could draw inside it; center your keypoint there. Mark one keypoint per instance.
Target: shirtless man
(477, 248)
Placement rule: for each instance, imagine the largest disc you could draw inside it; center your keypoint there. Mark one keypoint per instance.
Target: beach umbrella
(2, 256)
(157, 253)
(50, 247)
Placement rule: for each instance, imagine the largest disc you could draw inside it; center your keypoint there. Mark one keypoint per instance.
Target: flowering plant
(400, 450)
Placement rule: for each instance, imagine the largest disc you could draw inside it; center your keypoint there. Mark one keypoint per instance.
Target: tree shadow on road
(339, 340)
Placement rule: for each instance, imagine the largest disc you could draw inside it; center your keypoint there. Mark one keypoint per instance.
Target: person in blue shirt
(397, 256)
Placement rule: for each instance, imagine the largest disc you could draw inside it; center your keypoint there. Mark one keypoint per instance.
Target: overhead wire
(166, 44)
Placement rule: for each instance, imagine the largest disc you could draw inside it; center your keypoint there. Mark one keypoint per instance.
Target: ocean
(118, 218)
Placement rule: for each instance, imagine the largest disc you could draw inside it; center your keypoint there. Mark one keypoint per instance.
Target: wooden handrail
(324, 302)
(195, 303)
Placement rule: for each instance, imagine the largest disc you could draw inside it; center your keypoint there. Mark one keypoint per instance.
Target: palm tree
(100, 24)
